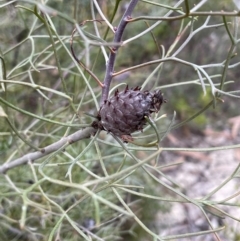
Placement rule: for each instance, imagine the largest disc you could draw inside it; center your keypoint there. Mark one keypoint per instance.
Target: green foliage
(100, 188)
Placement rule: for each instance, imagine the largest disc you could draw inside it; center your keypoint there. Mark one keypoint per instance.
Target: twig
(117, 39)
(76, 58)
(191, 14)
(31, 157)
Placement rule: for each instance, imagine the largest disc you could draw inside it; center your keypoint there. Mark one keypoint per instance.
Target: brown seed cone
(124, 113)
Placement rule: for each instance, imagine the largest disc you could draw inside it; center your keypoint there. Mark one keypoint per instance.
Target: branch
(117, 39)
(191, 14)
(76, 58)
(31, 157)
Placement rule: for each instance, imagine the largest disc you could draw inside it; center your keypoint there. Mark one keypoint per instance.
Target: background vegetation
(99, 188)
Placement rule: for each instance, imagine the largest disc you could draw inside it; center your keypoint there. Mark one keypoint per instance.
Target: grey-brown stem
(31, 157)
(112, 56)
